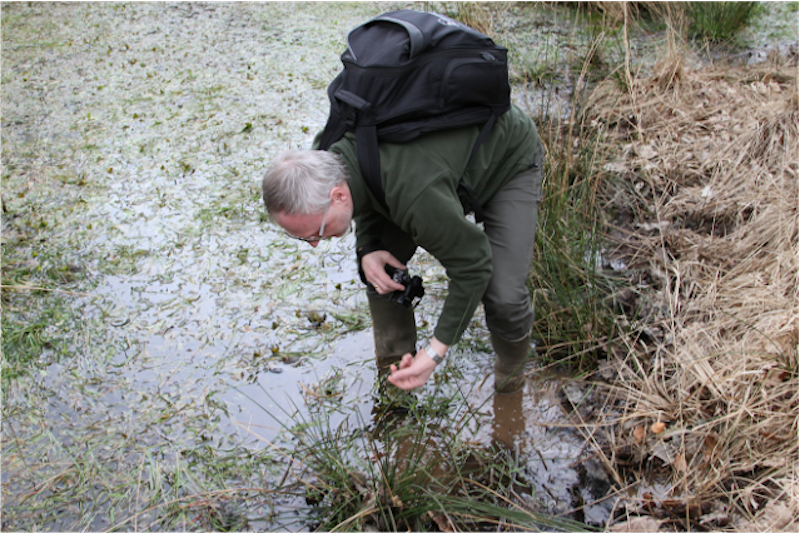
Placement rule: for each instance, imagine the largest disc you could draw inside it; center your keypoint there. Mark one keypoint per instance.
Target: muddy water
(134, 137)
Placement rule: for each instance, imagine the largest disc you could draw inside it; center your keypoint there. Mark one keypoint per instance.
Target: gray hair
(300, 181)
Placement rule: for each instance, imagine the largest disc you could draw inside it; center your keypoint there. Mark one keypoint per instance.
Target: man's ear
(340, 194)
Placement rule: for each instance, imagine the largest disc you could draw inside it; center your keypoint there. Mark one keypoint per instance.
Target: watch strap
(432, 354)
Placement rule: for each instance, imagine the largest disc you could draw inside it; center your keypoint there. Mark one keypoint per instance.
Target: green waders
(509, 365)
(394, 331)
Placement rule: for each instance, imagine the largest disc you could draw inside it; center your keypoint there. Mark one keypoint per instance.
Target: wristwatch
(432, 353)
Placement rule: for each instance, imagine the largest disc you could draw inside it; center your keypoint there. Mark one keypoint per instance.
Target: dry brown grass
(711, 160)
(481, 16)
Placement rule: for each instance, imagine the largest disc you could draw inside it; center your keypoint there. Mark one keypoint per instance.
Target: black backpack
(407, 73)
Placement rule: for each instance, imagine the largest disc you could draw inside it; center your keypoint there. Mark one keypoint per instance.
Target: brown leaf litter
(710, 159)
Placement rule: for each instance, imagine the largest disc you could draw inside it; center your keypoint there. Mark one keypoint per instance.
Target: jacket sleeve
(437, 223)
(369, 228)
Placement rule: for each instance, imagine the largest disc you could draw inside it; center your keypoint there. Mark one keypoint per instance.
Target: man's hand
(373, 264)
(413, 371)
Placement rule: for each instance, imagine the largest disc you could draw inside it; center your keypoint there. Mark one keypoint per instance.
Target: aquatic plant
(406, 468)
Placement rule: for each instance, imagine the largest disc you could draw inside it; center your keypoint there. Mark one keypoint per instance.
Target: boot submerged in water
(509, 366)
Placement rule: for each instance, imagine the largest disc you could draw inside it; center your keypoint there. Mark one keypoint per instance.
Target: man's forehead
(295, 220)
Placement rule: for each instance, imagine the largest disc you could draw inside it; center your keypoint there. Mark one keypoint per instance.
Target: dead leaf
(638, 433)
(721, 519)
(658, 427)
(660, 450)
(651, 226)
(680, 463)
(775, 462)
(638, 523)
(608, 370)
(442, 521)
(780, 515)
(647, 151)
(709, 445)
(777, 377)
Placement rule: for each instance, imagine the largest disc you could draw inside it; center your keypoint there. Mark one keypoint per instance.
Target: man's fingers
(384, 284)
(393, 261)
(373, 264)
(400, 374)
(403, 383)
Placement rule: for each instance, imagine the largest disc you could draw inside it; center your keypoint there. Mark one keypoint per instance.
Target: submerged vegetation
(167, 357)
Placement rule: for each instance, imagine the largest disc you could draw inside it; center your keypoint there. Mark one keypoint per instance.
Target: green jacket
(420, 179)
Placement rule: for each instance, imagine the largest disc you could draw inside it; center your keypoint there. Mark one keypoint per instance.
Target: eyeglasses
(319, 236)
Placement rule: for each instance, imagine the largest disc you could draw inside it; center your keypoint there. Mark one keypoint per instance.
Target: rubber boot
(394, 331)
(509, 366)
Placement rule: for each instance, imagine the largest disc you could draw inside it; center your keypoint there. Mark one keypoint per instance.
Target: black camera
(413, 287)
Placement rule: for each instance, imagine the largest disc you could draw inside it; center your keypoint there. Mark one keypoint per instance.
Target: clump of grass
(718, 21)
(399, 472)
(35, 314)
(23, 342)
(568, 281)
(477, 15)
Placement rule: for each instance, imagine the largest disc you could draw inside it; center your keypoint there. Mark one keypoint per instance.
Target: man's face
(334, 222)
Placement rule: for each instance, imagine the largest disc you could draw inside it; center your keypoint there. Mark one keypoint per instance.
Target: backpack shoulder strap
(369, 160)
(333, 132)
(473, 199)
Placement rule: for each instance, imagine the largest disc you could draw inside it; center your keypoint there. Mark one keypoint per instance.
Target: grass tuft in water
(406, 468)
(569, 281)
